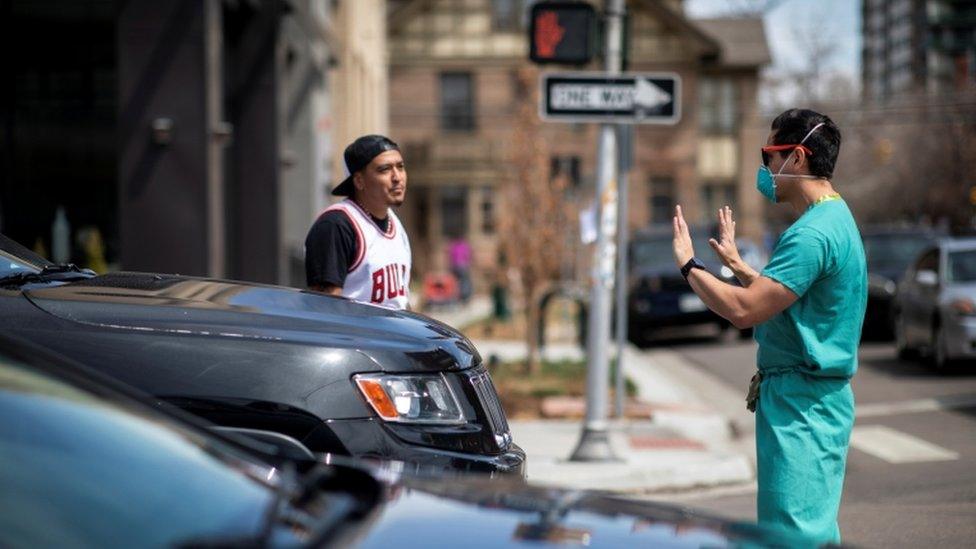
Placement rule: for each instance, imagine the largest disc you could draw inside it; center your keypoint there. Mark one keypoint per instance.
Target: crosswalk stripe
(882, 409)
(897, 447)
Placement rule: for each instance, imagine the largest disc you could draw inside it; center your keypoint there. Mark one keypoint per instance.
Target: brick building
(453, 98)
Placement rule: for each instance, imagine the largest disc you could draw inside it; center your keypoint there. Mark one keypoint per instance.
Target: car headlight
(410, 398)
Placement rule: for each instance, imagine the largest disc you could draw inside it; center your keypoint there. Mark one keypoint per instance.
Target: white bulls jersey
(380, 274)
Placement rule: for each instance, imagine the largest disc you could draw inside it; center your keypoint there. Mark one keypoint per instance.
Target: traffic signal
(562, 32)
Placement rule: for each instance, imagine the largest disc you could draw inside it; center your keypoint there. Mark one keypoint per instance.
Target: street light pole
(594, 443)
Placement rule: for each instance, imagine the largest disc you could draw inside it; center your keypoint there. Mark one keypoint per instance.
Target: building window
(508, 15)
(568, 167)
(487, 211)
(718, 105)
(718, 157)
(454, 212)
(457, 101)
(662, 199)
(715, 196)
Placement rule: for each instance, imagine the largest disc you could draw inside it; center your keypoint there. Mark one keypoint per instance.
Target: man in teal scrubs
(807, 307)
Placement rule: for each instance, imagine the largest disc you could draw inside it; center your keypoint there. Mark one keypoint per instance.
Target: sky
(840, 19)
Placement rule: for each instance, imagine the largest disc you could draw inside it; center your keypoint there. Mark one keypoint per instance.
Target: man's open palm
(724, 245)
(683, 248)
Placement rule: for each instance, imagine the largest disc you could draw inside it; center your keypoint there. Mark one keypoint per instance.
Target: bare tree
(911, 159)
(535, 215)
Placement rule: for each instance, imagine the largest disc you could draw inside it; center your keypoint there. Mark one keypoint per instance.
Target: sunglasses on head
(774, 148)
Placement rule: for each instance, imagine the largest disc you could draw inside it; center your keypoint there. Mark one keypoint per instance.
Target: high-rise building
(913, 46)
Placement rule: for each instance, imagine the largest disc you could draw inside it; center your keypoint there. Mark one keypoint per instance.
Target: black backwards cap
(359, 154)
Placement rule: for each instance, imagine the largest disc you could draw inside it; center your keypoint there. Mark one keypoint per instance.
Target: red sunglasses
(774, 148)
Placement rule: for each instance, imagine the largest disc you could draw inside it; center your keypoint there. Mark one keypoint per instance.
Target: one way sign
(651, 98)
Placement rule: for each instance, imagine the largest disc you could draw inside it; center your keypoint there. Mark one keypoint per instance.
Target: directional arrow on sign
(649, 96)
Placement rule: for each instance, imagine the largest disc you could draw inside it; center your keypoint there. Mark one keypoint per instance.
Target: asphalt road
(911, 477)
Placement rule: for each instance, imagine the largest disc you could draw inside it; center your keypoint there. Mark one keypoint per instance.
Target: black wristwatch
(693, 263)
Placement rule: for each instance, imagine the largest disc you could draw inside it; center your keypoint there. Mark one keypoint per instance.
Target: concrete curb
(709, 410)
(709, 390)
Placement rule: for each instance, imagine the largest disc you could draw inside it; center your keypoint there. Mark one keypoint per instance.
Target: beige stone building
(453, 95)
(359, 80)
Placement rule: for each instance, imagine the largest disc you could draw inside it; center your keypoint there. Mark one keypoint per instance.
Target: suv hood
(225, 309)
(480, 512)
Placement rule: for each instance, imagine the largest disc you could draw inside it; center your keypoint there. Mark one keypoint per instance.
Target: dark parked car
(889, 252)
(660, 297)
(324, 373)
(935, 307)
(87, 462)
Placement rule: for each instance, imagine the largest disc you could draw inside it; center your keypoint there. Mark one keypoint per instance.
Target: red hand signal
(548, 33)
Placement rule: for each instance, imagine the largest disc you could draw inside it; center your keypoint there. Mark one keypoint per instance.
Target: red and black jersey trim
(360, 241)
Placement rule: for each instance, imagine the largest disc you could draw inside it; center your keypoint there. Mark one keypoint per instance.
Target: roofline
(404, 12)
(710, 46)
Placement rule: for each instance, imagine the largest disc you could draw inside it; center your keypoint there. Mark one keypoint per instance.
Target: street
(911, 474)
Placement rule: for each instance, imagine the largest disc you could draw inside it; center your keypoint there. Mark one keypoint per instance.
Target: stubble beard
(396, 201)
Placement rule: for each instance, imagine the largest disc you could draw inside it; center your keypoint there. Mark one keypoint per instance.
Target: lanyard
(825, 198)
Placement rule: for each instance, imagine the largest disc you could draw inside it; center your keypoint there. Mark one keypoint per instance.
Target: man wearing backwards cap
(358, 248)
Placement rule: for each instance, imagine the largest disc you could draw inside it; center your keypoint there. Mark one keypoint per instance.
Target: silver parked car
(935, 306)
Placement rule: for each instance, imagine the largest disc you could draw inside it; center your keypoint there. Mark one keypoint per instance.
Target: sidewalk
(698, 434)
(458, 315)
(685, 443)
(652, 459)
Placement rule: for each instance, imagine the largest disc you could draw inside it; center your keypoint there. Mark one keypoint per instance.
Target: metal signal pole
(594, 443)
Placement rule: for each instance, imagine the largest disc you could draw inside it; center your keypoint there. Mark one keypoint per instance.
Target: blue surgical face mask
(766, 180)
(766, 183)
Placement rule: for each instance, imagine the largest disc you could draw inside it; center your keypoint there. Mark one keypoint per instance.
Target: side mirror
(927, 278)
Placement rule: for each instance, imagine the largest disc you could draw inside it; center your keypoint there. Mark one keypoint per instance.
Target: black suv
(321, 373)
(658, 296)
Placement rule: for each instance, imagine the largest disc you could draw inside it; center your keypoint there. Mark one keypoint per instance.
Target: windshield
(11, 265)
(17, 259)
(77, 469)
(657, 252)
(962, 266)
(893, 252)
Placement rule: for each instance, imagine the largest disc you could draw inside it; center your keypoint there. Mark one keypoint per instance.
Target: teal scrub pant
(803, 428)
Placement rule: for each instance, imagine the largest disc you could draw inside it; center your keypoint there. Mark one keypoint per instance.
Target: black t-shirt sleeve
(330, 249)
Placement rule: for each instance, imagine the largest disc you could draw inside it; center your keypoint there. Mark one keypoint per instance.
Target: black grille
(481, 382)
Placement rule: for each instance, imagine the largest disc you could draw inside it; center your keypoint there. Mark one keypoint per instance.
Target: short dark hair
(794, 124)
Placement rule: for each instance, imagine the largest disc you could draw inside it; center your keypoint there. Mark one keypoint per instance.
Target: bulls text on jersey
(389, 283)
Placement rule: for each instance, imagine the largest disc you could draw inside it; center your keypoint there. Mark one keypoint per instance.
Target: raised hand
(683, 248)
(724, 246)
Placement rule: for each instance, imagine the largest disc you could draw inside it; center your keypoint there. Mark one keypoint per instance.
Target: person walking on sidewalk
(807, 306)
(357, 248)
(459, 257)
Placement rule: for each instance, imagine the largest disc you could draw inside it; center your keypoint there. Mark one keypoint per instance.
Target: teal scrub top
(820, 258)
